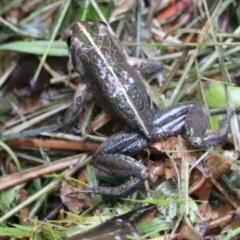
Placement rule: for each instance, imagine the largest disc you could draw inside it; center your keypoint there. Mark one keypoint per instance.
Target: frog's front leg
(113, 157)
(75, 109)
(155, 68)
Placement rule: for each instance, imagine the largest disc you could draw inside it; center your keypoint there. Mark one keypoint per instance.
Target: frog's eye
(102, 28)
(103, 23)
(69, 41)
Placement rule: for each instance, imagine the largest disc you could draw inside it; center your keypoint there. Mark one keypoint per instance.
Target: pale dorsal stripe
(97, 49)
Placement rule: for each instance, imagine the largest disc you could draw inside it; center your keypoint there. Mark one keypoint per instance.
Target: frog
(101, 62)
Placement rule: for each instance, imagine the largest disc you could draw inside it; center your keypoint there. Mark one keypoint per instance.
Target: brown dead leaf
(75, 202)
(158, 145)
(11, 166)
(201, 228)
(215, 165)
(225, 220)
(204, 190)
(164, 169)
(146, 215)
(188, 233)
(26, 105)
(177, 14)
(23, 213)
(174, 149)
(155, 170)
(169, 170)
(99, 121)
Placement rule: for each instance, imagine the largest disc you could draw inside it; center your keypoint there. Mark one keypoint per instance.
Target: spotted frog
(100, 60)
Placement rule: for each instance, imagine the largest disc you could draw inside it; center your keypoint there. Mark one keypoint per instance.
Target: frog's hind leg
(196, 123)
(170, 121)
(192, 118)
(113, 158)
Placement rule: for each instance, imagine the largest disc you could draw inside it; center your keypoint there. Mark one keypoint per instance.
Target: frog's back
(113, 82)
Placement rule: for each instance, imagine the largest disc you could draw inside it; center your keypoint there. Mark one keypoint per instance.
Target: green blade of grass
(11, 153)
(58, 48)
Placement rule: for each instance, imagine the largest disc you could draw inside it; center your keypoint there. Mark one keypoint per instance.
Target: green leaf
(91, 15)
(14, 232)
(7, 198)
(11, 153)
(165, 189)
(216, 98)
(58, 48)
(215, 120)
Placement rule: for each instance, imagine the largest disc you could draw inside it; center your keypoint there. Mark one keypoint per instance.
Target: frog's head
(85, 39)
(86, 35)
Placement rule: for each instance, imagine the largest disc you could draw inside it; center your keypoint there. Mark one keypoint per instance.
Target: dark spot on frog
(92, 72)
(96, 58)
(118, 71)
(97, 39)
(84, 60)
(112, 44)
(124, 107)
(79, 100)
(118, 57)
(124, 186)
(136, 97)
(105, 51)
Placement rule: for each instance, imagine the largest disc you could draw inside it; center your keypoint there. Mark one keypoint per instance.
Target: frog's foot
(122, 190)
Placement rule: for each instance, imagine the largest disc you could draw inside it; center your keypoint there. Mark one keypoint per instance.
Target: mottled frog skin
(99, 59)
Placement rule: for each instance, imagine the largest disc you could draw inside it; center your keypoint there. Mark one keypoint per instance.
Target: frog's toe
(197, 141)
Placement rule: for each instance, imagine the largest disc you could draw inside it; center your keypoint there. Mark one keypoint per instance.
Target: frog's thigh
(172, 120)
